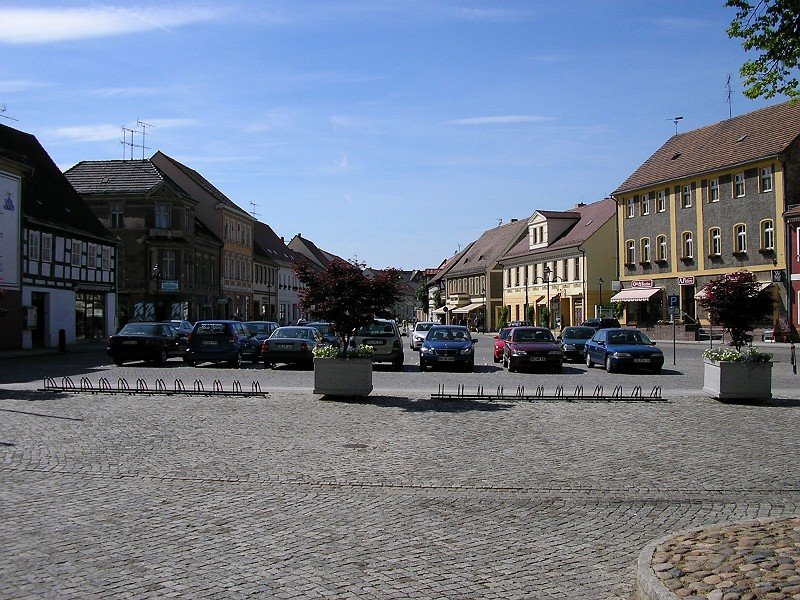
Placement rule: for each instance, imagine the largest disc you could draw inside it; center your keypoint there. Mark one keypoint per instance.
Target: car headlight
(467, 350)
(621, 355)
(659, 353)
(554, 353)
(518, 353)
(569, 346)
(426, 350)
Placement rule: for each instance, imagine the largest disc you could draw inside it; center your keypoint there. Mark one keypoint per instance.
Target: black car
(601, 323)
(221, 341)
(154, 342)
(293, 345)
(326, 330)
(572, 341)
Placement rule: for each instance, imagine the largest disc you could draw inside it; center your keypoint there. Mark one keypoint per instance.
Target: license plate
(537, 358)
(375, 342)
(447, 358)
(209, 343)
(129, 343)
(285, 346)
(641, 360)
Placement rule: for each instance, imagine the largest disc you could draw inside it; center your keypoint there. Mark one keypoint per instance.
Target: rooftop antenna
(253, 209)
(675, 120)
(499, 221)
(132, 144)
(730, 94)
(144, 127)
(3, 110)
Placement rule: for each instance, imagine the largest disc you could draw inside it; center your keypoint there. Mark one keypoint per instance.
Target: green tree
(736, 302)
(771, 28)
(531, 316)
(503, 316)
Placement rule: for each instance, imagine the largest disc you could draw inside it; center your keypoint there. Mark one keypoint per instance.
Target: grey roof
(754, 136)
(588, 219)
(484, 253)
(267, 243)
(118, 177)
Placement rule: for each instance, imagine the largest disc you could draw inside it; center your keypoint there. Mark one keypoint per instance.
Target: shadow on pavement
(423, 405)
(773, 403)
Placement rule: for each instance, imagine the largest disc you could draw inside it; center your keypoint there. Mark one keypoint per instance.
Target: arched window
(740, 238)
(767, 235)
(644, 249)
(714, 241)
(688, 244)
(630, 252)
(661, 248)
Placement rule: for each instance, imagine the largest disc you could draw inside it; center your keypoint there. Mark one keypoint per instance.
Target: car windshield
(531, 335)
(298, 333)
(323, 328)
(423, 326)
(504, 333)
(449, 334)
(257, 327)
(376, 329)
(143, 329)
(578, 333)
(627, 337)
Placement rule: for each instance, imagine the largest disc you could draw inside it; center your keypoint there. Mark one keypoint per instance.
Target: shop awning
(468, 308)
(537, 300)
(762, 285)
(440, 311)
(635, 294)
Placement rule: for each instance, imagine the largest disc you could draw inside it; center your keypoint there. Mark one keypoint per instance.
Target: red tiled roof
(741, 140)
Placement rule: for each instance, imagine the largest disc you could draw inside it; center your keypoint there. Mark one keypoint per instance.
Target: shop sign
(169, 285)
(642, 283)
(689, 280)
(9, 231)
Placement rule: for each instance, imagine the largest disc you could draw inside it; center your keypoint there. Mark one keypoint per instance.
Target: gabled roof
(165, 163)
(748, 138)
(487, 250)
(448, 264)
(557, 214)
(310, 250)
(591, 217)
(118, 177)
(47, 196)
(267, 243)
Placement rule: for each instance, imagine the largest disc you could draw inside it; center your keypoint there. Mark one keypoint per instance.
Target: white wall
(60, 306)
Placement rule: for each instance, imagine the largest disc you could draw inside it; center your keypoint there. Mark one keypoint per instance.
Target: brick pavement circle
(391, 497)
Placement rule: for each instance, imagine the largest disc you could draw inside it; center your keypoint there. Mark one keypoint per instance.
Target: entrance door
(38, 301)
(687, 301)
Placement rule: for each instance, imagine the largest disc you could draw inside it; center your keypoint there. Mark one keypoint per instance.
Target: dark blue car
(447, 346)
(572, 341)
(624, 348)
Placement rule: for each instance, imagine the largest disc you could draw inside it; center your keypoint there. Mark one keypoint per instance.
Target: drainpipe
(584, 276)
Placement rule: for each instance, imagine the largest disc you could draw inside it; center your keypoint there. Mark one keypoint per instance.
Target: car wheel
(609, 366)
(422, 366)
(657, 371)
(118, 362)
(397, 365)
(189, 362)
(589, 363)
(236, 363)
(162, 357)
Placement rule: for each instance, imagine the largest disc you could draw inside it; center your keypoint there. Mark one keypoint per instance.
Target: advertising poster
(10, 214)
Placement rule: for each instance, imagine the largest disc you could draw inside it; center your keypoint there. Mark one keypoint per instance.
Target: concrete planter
(737, 380)
(343, 376)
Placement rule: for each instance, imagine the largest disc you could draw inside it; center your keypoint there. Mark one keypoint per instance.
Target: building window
(629, 208)
(713, 190)
(75, 254)
(645, 204)
(576, 269)
(738, 185)
(688, 244)
(714, 241)
(740, 238)
(661, 248)
(168, 265)
(766, 179)
(630, 252)
(47, 247)
(116, 215)
(767, 235)
(661, 201)
(34, 245)
(686, 196)
(644, 249)
(105, 258)
(91, 256)
(162, 216)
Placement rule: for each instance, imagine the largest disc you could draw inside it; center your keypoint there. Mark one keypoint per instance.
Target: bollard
(62, 340)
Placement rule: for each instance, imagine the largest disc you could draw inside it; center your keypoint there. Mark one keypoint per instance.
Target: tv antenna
(144, 127)
(5, 116)
(132, 144)
(675, 120)
(730, 94)
(253, 209)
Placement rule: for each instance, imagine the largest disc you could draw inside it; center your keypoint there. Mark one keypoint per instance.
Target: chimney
(579, 204)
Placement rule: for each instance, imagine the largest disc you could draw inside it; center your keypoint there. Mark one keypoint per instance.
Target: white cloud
(47, 25)
(123, 92)
(11, 86)
(501, 120)
(86, 133)
(273, 120)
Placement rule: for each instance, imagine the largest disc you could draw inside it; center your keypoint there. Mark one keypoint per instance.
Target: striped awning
(468, 308)
(635, 294)
(762, 285)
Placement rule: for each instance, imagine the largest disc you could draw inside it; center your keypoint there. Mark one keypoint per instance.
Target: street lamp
(525, 311)
(600, 283)
(483, 291)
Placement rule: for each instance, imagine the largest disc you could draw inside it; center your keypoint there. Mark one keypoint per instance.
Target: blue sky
(394, 132)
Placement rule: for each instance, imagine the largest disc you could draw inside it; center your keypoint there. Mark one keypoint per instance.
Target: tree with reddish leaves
(737, 302)
(342, 294)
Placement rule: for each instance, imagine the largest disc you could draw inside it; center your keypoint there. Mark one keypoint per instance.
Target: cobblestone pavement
(389, 497)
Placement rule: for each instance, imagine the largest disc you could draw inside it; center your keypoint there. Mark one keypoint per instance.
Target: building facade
(168, 262)
(707, 203)
(57, 261)
(273, 296)
(556, 272)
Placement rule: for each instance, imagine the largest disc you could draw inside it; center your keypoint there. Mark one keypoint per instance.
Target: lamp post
(600, 282)
(547, 272)
(156, 274)
(525, 311)
(483, 291)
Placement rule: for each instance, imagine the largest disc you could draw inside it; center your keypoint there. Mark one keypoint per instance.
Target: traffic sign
(674, 311)
(673, 301)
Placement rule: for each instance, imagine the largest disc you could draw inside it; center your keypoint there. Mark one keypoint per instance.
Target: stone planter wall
(737, 380)
(343, 377)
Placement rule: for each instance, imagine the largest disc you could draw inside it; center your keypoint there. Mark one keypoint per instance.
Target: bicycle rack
(141, 387)
(579, 395)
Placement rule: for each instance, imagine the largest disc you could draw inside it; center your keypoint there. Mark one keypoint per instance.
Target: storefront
(643, 304)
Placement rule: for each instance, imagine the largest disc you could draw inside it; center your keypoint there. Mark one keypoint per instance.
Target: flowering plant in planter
(752, 355)
(329, 351)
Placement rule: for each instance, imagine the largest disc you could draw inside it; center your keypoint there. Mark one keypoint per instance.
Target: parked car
(532, 347)
(603, 323)
(500, 343)
(327, 332)
(291, 345)
(153, 342)
(619, 349)
(184, 327)
(519, 324)
(448, 346)
(418, 335)
(226, 341)
(384, 337)
(261, 330)
(572, 341)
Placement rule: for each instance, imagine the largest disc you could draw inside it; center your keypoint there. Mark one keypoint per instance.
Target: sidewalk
(79, 347)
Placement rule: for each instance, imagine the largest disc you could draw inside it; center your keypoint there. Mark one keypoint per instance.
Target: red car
(532, 347)
(500, 343)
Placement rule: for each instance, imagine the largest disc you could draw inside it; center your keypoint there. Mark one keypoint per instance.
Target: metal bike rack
(103, 386)
(598, 395)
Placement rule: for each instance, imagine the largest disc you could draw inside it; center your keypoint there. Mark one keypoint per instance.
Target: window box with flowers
(732, 375)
